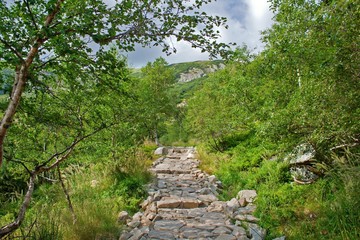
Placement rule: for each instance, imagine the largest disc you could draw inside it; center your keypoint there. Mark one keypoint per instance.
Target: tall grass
(99, 190)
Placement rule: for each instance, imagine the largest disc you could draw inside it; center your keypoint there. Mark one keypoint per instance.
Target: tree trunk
(9, 228)
(22, 71)
(156, 137)
(18, 88)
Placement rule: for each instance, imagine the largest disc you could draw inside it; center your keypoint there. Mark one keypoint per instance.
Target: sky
(246, 19)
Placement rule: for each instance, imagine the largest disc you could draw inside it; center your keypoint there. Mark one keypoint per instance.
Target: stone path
(183, 204)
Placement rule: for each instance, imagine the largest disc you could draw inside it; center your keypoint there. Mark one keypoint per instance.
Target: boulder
(123, 217)
(257, 233)
(301, 160)
(212, 179)
(242, 202)
(134, 223)
(161, 151)
(248, 195)
(146, 203)
(302, 154)
(232, 206)
(216, 206)
(303, 174)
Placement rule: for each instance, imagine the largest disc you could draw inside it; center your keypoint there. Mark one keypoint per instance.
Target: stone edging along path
(183, 204)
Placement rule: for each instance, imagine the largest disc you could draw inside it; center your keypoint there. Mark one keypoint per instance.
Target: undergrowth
(99, 190)
(326, 209)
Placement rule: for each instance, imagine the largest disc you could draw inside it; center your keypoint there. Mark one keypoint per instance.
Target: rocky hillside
(189, 71)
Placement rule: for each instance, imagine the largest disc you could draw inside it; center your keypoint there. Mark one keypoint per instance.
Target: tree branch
(17, 53)
(65, 153)
(67, 196)
(345, 145)
(31, 14)
(23, 164)
(7, 229)
(46, 62)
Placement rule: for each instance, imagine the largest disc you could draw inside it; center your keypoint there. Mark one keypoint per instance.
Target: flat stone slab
(168, 225)
(161, 235)
(169, 203)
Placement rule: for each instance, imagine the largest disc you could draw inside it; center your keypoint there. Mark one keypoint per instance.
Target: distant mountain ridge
(189, 71)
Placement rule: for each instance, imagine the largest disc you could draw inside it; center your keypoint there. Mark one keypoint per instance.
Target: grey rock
(146, 202)
(248, 218)
(137, 216)
(190, 233)
(256, 232)
(248, 195)
(302, 174)
(207, 198)
(301, 154)
(161, 235)
(134, 224)
(214, 215)
(212, 179)
(189, 203)
(249, 209)
(222, 230)
(168, 225)
(191, 75)
(169, 203)
(205, 191)
(125, 236)
(161, 151)
(232, 205)
(226, 237)
(238, 231)
(216, 206)
(243, 202)
(123, 217)
(138, 233)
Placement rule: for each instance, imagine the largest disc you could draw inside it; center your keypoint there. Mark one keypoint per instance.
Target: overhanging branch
(16, 52)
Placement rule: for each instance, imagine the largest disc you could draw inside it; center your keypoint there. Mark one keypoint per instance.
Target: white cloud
(246, 19)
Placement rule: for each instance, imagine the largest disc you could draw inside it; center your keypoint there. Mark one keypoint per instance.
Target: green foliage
(49, 121)
(213, 110)
(315, 48)
(155, 104)
(123, 22)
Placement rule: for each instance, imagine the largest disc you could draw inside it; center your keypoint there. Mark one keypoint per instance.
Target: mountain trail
(183, 204)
